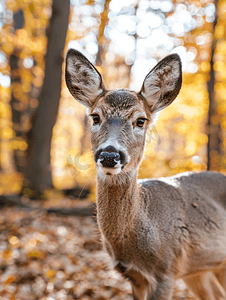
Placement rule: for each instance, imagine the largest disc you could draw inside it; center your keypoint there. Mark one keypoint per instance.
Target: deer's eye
(140, 122)
(96, 119)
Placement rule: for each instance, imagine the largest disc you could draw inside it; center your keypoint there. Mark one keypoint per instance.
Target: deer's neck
(116, 204)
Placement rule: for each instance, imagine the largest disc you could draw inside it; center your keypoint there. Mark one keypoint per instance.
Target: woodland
(50, 246)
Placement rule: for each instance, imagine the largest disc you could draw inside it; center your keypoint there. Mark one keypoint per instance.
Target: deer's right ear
(82, 78)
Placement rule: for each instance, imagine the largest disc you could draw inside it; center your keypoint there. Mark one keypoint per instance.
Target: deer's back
(185, 190)
(187, 217)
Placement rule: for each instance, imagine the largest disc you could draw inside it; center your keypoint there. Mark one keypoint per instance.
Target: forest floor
(48, 257)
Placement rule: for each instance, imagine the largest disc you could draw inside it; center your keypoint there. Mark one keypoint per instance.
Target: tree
(38, 170)
(100, 39)
(16, 81)
(214, 123)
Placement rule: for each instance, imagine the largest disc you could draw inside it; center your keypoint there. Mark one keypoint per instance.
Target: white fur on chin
(109, 171)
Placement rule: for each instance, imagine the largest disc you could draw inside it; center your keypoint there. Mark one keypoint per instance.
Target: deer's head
(120, 118)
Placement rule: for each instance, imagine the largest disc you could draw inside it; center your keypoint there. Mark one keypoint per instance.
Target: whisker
(107, 202)
(86, 182)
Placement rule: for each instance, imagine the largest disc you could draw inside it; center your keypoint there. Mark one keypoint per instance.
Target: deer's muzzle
(110, 157)
(109, 160)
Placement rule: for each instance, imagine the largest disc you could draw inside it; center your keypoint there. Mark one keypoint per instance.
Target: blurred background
(45, 136)
(44, 133)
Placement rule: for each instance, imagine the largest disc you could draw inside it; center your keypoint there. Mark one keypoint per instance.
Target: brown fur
(155, 230)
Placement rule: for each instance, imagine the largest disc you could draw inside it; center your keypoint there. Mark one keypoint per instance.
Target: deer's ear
(82, 78)
(162, 84)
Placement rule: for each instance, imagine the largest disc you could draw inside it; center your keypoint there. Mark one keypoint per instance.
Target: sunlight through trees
(125, 39)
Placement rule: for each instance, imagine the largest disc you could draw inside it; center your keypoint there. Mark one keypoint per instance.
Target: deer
(155, 230)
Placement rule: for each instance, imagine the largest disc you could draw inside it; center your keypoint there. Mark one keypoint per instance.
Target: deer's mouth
(110, 171)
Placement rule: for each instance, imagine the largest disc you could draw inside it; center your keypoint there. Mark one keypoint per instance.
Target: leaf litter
(49, 257)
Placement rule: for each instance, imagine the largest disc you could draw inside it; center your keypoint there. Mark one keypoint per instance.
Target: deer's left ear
(162, 84)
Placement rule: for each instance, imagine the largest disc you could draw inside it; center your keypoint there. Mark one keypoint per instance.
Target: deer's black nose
(109, 159)
(109, 156)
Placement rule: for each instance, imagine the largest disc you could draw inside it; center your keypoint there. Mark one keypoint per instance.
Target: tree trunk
(135, 50)
(100, 38)
(15, 100)
(214, 126)
(19, 156)
(38, 172)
